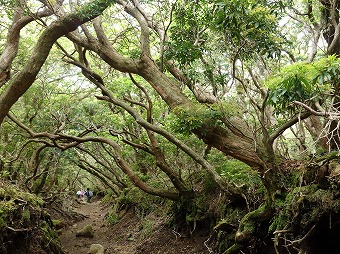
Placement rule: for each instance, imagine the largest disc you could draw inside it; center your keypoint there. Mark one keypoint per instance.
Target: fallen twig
(19, 229)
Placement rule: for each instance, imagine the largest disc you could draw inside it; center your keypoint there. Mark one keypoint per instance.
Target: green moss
(12, 193)
(21, 209)
(146, 228)
(135, 197)
(26, 216)
(108, 198)
(304, 206)
(56, 223)
(34, 199)
(7, 209)
(2, 193)
(3, 223)
(233, 249)
(112, 217)
(249, 227)
(279, 222)
(251, 221)
(48, 231)
(326, 199)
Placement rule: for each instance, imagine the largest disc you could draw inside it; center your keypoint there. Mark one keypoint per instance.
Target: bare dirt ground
(126, 236)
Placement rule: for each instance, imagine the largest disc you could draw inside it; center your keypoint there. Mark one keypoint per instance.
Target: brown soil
(127, 236)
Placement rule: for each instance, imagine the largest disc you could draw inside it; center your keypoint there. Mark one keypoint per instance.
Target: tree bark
(12, 43)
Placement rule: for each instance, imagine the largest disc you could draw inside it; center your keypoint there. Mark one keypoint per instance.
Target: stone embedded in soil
(86, 231)
(96, 249)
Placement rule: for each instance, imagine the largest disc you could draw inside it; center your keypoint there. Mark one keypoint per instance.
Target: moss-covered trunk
(302, 218)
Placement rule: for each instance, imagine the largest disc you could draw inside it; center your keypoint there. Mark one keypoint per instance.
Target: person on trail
(89, 195)
(79, 194)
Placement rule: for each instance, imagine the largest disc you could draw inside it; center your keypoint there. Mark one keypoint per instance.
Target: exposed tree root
(233, 249)
(250, 223)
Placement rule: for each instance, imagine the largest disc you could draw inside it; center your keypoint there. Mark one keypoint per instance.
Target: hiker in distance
(88, 195)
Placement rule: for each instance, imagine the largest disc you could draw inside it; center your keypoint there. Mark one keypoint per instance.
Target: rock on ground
(86, 231)
(96, 249)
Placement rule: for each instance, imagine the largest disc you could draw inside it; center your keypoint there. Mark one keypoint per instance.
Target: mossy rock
(96, 249)
(86, 231)
(58, 224)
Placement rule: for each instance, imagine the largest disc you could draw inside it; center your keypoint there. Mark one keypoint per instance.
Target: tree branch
(331, 115)
(25, 78)
(286, 125)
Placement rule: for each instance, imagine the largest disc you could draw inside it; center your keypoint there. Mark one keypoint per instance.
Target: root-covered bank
(25, 225)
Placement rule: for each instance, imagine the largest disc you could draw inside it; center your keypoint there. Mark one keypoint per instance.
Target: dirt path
(113, 241)
(126, 237)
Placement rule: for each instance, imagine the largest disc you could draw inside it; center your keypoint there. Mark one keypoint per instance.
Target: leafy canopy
(250, 26)
(304, 82)
(189, 31)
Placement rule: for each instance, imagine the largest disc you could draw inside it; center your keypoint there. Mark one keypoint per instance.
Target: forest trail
(113, 241)
(127, 236)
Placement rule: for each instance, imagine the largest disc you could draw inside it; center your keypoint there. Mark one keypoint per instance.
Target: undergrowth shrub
(112, 217)
(142, 203)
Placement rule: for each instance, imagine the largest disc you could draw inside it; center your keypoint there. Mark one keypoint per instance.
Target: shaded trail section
(127, 237)
(104, 233)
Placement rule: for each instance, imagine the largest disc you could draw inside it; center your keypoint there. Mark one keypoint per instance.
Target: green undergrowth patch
(238, 174)
(151, 210)
(141, 202)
